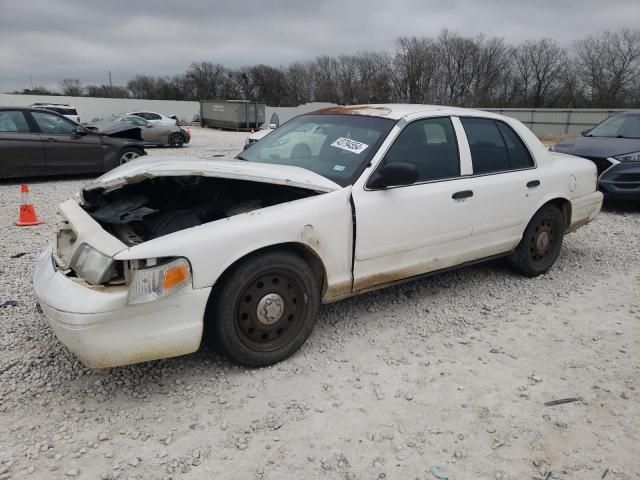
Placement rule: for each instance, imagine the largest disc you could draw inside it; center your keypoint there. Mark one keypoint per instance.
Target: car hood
(140, 169)
(600, 147)
(118, 129)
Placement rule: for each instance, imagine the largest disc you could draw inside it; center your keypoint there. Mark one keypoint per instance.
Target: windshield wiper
(240, 157)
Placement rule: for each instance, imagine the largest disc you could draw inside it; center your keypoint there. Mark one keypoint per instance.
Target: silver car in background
(152, 134)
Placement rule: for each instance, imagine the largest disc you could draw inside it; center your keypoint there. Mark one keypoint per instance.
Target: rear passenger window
(431, 146)
(13, 121)
(495, 147)
(518, 153)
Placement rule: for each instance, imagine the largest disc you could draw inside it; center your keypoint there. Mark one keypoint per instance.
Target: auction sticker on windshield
(350, 145)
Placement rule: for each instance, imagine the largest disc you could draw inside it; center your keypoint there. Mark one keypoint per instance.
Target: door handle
(462, 194)
(51, 139)
(533, 184)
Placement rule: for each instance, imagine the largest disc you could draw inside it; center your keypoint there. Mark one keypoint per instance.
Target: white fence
(557, 120)
(90, 108)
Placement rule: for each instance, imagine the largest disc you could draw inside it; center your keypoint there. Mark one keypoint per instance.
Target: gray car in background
(41, 142)
(152, 133)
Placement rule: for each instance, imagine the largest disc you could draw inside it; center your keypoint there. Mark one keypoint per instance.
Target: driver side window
(431, 146)
(52, 124)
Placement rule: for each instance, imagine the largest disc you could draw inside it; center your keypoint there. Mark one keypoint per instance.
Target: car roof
(396, 111)
(51, 105)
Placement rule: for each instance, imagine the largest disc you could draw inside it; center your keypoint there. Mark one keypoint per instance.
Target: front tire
(265, 310)
(541, 242)
(176, 140)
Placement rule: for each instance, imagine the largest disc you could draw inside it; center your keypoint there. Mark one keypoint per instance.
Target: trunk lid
(150, 167)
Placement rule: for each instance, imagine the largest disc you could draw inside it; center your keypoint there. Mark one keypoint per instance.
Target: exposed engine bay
(155, 207)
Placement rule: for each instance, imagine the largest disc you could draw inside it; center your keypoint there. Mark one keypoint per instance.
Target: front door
(409, 230)
(66, 150)
(21, 150)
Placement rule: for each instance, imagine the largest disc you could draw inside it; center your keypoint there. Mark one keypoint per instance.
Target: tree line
(599, 70)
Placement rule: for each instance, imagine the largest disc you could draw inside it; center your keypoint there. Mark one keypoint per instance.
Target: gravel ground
(446, 375)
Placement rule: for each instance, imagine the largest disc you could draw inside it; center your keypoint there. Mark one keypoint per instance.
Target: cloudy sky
(53, 39)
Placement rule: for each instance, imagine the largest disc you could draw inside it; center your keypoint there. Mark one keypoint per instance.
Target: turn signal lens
(174, 276)
(158, 281)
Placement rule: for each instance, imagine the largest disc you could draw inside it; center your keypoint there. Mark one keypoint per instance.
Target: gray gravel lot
(448, 373)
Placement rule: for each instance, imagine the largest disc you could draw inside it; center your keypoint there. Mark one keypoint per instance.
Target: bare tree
(210, 80)
(539, 68)
(414, 68)
(142, 86)
(324, 71)
(610, 65)
(299, 83)
(459, 63)
(71, 87)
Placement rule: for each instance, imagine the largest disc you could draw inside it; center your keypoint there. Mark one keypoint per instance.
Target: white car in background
(64, 109)
(274, 123)
(158, 254)
(155, 118)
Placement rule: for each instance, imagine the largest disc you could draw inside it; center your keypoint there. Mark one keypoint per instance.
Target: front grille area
(601, 163)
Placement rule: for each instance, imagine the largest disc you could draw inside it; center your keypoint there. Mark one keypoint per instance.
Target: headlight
(629, 157)
(93, 266)
(155, 282)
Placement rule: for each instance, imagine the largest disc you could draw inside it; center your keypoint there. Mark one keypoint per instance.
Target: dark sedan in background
(614, 146)
(39, 142)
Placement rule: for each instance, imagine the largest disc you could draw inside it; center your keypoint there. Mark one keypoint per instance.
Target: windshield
(622, 126)
(337, 147)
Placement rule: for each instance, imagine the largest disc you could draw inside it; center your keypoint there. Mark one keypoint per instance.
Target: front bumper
(621, 181)
(95, 323)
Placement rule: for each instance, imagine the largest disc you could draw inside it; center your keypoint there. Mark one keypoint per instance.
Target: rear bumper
(621, 181)
(584, 209)
(102, 331)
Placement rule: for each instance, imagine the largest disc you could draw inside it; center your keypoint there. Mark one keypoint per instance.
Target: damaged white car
(157, 254)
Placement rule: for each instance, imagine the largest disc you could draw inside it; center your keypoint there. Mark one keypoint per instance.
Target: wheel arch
(562, 203)
(299, 249)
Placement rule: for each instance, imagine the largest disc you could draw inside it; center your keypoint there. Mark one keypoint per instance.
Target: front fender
(323, 223)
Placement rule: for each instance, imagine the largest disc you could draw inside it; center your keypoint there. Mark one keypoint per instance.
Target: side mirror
(274, 122)
(394, 174)
(80, 131)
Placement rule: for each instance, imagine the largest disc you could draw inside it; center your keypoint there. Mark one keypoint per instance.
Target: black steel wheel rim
(542, 241)
(264, 326)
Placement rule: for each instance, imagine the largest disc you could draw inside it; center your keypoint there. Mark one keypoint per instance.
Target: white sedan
(155, 118)
(155, 255)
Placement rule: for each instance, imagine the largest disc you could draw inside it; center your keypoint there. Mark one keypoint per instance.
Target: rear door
(66, 150)
(21, 149)
(505, 184)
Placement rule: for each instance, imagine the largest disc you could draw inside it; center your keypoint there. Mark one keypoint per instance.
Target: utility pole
(110, 84)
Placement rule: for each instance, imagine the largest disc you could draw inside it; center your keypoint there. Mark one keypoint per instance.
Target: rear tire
(264, 310)
(541, 242)
(128, 154)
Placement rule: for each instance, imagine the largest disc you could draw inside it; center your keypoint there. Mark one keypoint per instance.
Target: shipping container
(232, 114)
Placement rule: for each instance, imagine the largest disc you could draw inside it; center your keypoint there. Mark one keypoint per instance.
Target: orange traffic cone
(27, 212)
